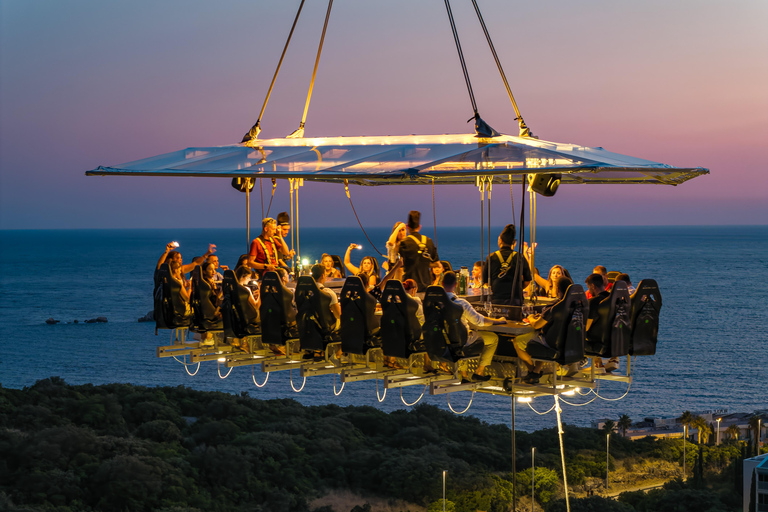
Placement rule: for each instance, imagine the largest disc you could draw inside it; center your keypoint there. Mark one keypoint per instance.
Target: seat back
(338, 264)
(240, 320)
(609, 334)
(446, 265)
(314, 318)
(400, 328)
(358, 317)
(644, 318)
(203, 309)
(170, 310)
(443, 331)
(278, 315)
(565, 331)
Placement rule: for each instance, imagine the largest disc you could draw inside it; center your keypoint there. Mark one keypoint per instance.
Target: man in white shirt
(470, 318)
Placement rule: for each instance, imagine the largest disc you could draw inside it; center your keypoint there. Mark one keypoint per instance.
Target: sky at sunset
(85, 83)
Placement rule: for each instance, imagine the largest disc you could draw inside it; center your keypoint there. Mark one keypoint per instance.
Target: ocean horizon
(712, 351)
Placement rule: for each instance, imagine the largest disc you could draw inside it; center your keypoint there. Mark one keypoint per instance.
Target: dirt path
(645, 487)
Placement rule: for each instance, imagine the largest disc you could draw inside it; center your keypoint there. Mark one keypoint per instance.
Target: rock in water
(149, 317)
(51, 321)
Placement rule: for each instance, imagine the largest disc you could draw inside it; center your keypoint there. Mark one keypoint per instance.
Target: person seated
(170, 254)
(476, 278)
(548, 287)
(242, 260)
(319, 275)
(266, 248)
(368, 271)
(244, 276)
(437, 273)
(598, 292)
(331, 272)
(469, 318)
(213, 259)
(411, 288)
(603, 272)
(177, 274)
(503, 264)
(540, 324)
(217, 295)
(285, 278)
(625, 277)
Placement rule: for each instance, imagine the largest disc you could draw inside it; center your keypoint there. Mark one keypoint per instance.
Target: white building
(759, 467)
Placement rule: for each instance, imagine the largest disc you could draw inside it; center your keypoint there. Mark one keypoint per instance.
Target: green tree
(624, 423)
(686, 419)
(702, 429)
(609, 427)
(732, 432)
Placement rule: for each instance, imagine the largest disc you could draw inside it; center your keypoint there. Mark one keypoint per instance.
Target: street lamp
(607, 448)
(685, 437)
(444, 491)
(533, 480)
(718, 432)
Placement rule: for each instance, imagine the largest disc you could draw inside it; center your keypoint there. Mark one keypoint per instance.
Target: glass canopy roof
(407, 160)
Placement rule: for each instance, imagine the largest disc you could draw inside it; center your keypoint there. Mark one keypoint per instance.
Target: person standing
(266, 248)
(417, 251)
(503, 268)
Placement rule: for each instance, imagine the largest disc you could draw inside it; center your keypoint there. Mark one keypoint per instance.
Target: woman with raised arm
(548, 286)
(175, 267)
(368, 270)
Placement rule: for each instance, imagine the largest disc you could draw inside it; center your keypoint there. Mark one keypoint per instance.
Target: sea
(712, 352)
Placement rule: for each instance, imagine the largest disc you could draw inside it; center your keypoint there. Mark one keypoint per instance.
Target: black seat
(278, 314)
(400, 328)
(170, 311)
(564, 333)
(444, 333)
(644, 318)
(446, 265)
(315, 320)
(203, 308)
(358, 317)
(239, 319)
(609, 334)
(338, 264)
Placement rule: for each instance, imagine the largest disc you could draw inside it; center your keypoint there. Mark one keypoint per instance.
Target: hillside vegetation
(120, 447)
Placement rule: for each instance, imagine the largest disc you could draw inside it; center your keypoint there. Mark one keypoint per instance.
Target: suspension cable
(261, 196)
(300, 131)
(434, 215)
(562, 452)
(512, 199)
(346, 189)
(274, 186)
(461, 58)
(454, 411)
(524, 130)
(253, 133)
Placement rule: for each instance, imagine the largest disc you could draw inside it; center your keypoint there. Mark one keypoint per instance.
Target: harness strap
(264, 248)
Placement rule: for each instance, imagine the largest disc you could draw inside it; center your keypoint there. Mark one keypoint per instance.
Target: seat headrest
(337, 263)
(197, 272)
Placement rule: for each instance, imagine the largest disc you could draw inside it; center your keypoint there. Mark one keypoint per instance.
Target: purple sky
(86, 83)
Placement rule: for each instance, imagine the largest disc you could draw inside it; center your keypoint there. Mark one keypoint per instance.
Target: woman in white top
(399, 233)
